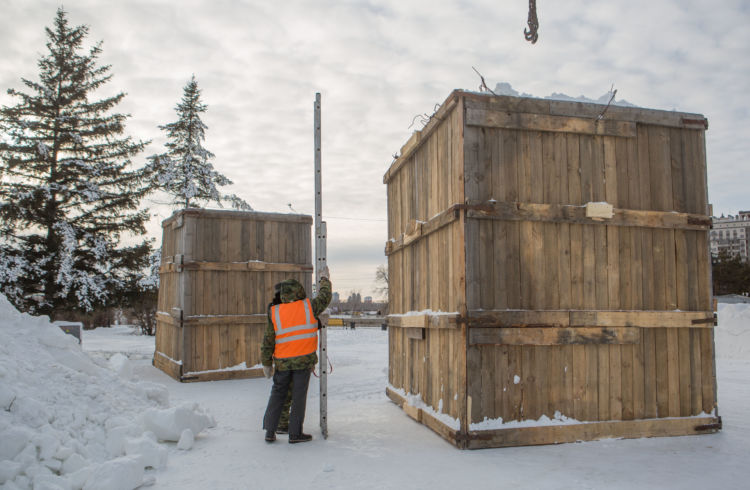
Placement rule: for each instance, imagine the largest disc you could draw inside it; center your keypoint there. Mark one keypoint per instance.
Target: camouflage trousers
(284, 419)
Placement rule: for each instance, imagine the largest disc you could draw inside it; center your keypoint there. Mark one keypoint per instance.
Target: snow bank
(732, 336)
(68, 421)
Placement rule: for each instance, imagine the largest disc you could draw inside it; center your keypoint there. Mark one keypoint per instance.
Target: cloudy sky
(380, 63)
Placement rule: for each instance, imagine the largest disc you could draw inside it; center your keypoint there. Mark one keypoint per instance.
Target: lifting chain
(531, 33)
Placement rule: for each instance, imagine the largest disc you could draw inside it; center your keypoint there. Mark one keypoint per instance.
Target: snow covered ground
(372, 443)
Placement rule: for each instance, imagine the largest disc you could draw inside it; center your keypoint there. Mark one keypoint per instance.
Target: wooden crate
(218, 269)
(514, 298)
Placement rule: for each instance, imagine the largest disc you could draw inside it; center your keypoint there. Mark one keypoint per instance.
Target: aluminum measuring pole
(320, 263)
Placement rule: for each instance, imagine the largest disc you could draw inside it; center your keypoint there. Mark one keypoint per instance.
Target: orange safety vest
(296, 329)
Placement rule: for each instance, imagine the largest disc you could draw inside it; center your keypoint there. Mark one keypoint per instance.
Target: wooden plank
(539, 122)
(554, 335)
(529, 399)
(696, 373)
(603, 389)
(662, 373)
(708, 375)
(474, 384)
(684, 375)
(579, 382)
(590, 395)
(515, 388)
(503, 381)
(488, 383)
(556, 434)
(615, 379)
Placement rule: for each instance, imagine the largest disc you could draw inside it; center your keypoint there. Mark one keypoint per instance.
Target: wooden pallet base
(174, 370)
(556, 434)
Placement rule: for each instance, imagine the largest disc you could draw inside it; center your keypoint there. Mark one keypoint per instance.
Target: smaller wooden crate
(218, 269)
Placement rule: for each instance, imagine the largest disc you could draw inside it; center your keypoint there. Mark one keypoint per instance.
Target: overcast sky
(378, 64)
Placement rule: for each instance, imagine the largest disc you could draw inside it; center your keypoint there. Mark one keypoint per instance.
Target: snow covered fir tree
(185, 171)
(68, 191)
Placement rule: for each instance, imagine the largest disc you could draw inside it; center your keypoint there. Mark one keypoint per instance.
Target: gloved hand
(267, 371)
(325, 273)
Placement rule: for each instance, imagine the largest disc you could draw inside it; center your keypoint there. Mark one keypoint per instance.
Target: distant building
(335, 298)
(368, 299)
(731, 234)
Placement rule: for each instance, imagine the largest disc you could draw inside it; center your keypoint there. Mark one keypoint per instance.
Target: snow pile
(732, 336)
(504, 88)
(68, 421)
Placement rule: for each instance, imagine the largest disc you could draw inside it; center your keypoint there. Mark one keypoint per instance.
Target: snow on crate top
(67, 420)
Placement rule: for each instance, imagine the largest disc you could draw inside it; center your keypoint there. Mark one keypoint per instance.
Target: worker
(289, 353)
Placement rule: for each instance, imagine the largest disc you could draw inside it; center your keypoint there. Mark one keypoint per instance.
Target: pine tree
(185, 171)
(67, 195)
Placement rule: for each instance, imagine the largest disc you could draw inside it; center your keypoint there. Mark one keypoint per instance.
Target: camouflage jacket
(292, 290)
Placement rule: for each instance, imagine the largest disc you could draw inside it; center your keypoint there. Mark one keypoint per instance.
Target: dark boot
(270, 436)
(300, 438)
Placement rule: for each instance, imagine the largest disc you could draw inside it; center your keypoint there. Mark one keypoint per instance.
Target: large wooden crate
(218, 269)
(514, 299)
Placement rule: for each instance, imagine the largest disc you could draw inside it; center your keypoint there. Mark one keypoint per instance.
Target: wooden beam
(167, 365)
(426, 320)
(642, 319)
(167, 318)
(557, 434)
(585, 110)
(625, 429)
(423, 417)
(554, 336)
(542, 122)
(414, 333)
(564, 213)
(178, 216)
(225, 320)
(590, 318)
(417, 230)
(253, 265)
(222, 375)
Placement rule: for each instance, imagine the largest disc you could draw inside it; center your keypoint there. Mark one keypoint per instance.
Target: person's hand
(325, 273)
(267, 371)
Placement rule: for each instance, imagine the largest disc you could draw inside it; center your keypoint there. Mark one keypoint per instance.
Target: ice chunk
(148, 450)
(124, 473)
(14, 440)
(168, 424)
(120, 364)
(187, 438)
